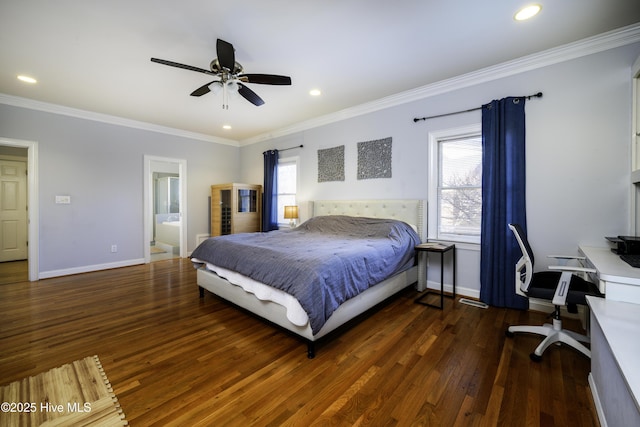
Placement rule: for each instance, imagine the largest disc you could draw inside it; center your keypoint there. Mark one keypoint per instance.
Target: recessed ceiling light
(227, 127)
(315, 92)
(527, 12)
(27, 79)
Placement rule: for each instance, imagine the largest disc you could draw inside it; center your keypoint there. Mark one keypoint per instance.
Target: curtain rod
(285, 149)
(417, 119)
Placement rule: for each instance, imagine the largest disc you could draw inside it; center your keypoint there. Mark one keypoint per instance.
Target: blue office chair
(561, 285)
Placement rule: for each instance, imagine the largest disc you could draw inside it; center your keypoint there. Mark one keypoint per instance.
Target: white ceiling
(94, 55)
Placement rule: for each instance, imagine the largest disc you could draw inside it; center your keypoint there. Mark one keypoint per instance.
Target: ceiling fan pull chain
(225, 96)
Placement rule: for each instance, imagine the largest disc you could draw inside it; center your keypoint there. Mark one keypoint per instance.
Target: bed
(232, 280)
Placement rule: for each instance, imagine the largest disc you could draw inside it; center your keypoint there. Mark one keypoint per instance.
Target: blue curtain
(503, 200)
(270, 195)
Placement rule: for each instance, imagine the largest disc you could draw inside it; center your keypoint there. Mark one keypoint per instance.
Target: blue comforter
(322, 263)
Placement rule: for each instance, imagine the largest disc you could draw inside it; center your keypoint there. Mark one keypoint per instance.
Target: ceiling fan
(230, 76)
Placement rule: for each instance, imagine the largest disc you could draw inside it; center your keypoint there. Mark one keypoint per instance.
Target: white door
(13, 210)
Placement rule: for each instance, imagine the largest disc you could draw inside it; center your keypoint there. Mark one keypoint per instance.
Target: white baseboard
(534, 304)
(89, 268)
(460, 290)
(597, 402)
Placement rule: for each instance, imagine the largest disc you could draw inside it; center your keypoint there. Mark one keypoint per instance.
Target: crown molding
(105, 118)
(606, 41)
(609, 40)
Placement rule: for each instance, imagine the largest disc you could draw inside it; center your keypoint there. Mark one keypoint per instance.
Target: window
(455, 189)
(287, 186)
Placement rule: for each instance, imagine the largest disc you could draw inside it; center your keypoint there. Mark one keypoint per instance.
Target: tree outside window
(455, 184)
(460, 189)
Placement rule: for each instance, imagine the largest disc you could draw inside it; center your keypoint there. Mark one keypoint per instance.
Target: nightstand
(440, 248)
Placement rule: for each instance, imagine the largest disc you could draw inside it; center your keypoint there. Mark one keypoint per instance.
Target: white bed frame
(409, 211)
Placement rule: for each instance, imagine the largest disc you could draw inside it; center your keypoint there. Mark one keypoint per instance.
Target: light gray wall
(578, 149)
(100, 166)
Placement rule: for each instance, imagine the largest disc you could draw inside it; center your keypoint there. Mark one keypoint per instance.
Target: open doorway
(166, 221)
(165, 203)
(18, 211)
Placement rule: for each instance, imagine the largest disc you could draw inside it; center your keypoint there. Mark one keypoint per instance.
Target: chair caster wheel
(535, 357)
(509, 333)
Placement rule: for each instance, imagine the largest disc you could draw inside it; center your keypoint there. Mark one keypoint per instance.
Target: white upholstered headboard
(410, 211)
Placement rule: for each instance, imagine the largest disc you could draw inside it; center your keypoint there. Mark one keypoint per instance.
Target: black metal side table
(440, 248)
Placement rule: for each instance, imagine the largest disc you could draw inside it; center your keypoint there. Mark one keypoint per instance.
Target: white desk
(615, 367)
(616, 279)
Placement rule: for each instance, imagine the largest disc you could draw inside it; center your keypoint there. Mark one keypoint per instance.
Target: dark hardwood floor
(175, 359)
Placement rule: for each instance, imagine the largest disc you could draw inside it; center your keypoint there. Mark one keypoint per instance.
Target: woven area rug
(75, 394)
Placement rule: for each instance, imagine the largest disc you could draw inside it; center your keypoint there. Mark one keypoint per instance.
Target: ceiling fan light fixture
(229, 71)
(315, 92)
(226, 127)
(215, 87)
(527, 12)
(232, 86)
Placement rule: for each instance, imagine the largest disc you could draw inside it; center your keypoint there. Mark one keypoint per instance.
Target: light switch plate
(63, 200)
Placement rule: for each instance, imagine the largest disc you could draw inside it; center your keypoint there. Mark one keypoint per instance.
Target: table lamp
(291, 213)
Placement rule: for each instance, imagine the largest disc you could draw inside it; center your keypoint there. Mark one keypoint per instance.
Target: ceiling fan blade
(204, 89)
(226, 55)
(265, 79)
(249, 95)
(178, 65)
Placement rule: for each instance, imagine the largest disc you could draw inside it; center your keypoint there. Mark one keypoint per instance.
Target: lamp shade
(232, 86)
(291, 212)
(215, 87)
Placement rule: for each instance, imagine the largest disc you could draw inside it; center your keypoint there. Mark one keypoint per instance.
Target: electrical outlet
(114, 248)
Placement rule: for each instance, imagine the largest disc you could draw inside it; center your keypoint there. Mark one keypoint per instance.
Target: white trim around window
(283, 161)
(434, 175)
